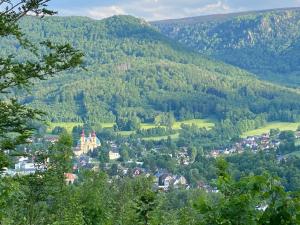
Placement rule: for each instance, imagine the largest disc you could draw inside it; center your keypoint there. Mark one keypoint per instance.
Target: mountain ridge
(224, 15)
(133, 71)
(252, 41)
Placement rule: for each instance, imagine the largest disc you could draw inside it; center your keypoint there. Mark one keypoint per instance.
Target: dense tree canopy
(265, 43)
(136, 74)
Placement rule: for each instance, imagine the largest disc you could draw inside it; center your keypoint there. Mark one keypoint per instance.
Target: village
(254, 144)
(84, 159)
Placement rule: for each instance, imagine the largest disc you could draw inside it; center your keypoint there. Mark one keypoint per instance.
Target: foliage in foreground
(45, 198)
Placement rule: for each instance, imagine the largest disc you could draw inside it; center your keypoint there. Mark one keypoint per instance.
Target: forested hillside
(134, 71)
(265, 43)
(79, 73)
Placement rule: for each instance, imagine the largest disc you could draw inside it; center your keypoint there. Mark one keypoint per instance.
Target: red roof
(70, 176)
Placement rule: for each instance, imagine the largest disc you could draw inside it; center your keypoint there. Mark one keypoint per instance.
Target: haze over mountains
(266, 43)
(133, 69)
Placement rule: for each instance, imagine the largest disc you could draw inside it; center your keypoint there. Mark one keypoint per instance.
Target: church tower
(86, 144)
(82, 141)
(94, 141)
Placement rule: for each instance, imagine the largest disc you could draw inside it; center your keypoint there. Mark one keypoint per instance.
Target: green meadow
(67, 125)
(172, 136)
(274, 125)
(201, 123)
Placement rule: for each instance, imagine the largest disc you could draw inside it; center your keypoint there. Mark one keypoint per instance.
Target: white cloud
(104, 12)
(169, 9)
(218, 7)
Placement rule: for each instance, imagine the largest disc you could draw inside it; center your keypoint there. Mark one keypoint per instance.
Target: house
(25, 168)
(137, 171)
(179, 181)
(215, 153)
(165, 180)
(70, 178)
(203, 186)
(51, 139)
(114, 155)
(124, 170)
(30, 140)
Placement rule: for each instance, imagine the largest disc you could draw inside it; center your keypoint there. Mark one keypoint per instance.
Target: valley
(250, 40)
(134, 74)
(117, 120)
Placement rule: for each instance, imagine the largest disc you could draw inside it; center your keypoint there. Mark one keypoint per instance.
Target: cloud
(104, 12)
(218, 7)
(160, 9)
(165, 9)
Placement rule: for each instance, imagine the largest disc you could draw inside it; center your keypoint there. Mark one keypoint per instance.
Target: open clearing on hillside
(274, 125)
(173, 136)
(205, 123)
(67, 125)
(201, 123)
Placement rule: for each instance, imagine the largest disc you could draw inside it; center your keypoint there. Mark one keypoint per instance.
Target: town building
(70, 178)
(86, 144)
(114, 155)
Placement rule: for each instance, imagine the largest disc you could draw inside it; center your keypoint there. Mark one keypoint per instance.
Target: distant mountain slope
(265, 43)
(134, 70)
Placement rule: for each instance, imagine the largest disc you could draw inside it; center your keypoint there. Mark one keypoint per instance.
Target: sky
(162, 9)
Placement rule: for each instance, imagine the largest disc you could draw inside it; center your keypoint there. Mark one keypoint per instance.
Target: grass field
(68, 126)
(173, 136)
(205, 123)
(274, 125)
(125, 133)
(146, 126)
(201, 123)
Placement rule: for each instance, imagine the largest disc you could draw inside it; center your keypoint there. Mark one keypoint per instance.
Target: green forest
(112, 122)
(265, 42)
(133, 74)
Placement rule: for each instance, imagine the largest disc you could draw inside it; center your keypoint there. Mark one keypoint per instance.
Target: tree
(145, 205)
(124, 154)
(58, 130)
(165, 119)
(128, 123)
(287, 136)
(60, 155)
(114, 169)
(192, 151)
(274, 133)
(14, 117)
(95, 198)
(250, 200)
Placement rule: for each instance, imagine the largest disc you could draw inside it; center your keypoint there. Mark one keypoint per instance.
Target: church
(86, 144)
